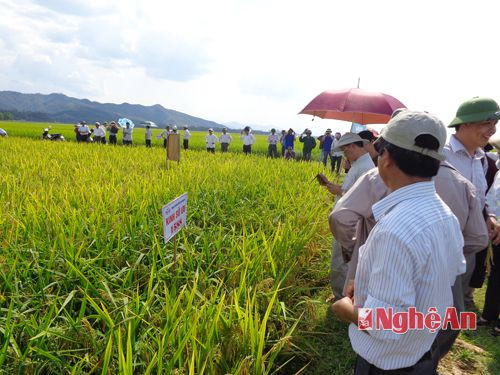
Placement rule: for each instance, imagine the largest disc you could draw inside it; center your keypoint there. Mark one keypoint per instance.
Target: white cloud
(250, 61)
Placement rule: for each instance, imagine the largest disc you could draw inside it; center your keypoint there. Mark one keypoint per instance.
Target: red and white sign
(174, 216)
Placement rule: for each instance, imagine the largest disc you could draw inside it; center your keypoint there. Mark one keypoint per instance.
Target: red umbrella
(354, 105)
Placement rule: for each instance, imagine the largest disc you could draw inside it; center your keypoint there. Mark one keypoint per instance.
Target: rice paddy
(88, 286)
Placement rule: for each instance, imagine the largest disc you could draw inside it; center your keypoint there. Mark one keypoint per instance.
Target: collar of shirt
(407, 192)
(457, 146)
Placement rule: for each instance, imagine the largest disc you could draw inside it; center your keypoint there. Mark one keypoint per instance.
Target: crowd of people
(412, 225)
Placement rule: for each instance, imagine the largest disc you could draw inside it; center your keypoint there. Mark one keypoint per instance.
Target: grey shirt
(352, 218)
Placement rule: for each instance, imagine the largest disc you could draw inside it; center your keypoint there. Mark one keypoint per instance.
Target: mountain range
(65, 109)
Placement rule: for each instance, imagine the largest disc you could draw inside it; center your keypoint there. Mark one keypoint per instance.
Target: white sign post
(174, 218)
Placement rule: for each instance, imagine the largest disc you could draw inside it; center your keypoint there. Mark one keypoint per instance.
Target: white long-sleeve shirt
(99, 132)
(211, 140)
(127, 134)
(410, 259)
(186, 135)
(248, 139)
(149, 134)
(471, 167)
(225, 138)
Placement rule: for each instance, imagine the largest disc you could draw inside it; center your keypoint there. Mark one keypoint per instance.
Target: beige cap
(406, 126)
(347, 139)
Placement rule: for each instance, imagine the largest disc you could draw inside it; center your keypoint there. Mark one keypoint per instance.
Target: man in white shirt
(84, 131)
(99, 133)
(474, 124)
(149, 136)
(412, 256)
(272, 149)
(211, 140)
(336, 156)
(164, 134)
(185, 137)
(225, 139)
(127, 135)
(248, 140)
(352, 146)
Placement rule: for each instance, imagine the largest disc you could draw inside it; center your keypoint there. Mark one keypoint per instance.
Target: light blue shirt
(410, 259)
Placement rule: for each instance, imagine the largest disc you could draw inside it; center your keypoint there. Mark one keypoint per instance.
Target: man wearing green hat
(474, 123)
(411, 257)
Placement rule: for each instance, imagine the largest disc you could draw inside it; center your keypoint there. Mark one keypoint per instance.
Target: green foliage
(88, 286)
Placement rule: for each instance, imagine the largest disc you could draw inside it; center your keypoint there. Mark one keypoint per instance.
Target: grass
(87, 285)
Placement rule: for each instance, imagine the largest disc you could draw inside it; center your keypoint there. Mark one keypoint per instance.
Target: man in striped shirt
(413, 254)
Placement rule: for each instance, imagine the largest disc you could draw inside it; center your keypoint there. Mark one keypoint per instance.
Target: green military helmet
(477, 109)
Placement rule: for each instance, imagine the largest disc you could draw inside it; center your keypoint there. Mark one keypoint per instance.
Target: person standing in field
(84, 132)
(353, 148)
(99, 133)
(309, 144)
(474, 123)
(127, 135)
(352, 220)
(211, 140)
(336, 156)
(272, 149)
(289, 144)
(408, 260)
(164, 134)
(149, 136)
(113, 131)
(282, 143)
(185, 137)
(327, 146)
(77, 132)
(225, 139)
(491, 309)
(248, 140)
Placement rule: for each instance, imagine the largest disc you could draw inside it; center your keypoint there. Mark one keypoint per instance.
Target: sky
(256, 62)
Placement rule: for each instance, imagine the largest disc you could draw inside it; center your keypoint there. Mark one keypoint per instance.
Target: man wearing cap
(412, 256)
(336, 156)
(474, 124)
(225, 139)
(113, 131)
(211, 140)
(309, 144)
(352, 220)
(352, 146)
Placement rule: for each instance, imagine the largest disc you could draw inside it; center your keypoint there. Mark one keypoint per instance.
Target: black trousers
(272, 151)
(185, 143)
(479, 274)
(247, 149)
(148, 142)
(492, 298)
(224, 146)
(336, 161)
(212, 150)
(112, 139)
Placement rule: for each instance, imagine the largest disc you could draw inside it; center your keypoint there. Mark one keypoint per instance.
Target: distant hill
(62, 108)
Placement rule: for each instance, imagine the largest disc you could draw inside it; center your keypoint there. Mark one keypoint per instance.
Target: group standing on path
(410, 233)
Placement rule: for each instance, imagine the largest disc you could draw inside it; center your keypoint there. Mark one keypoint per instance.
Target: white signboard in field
(174, 216)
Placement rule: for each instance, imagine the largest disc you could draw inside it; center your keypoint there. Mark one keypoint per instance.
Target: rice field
(88, 286)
